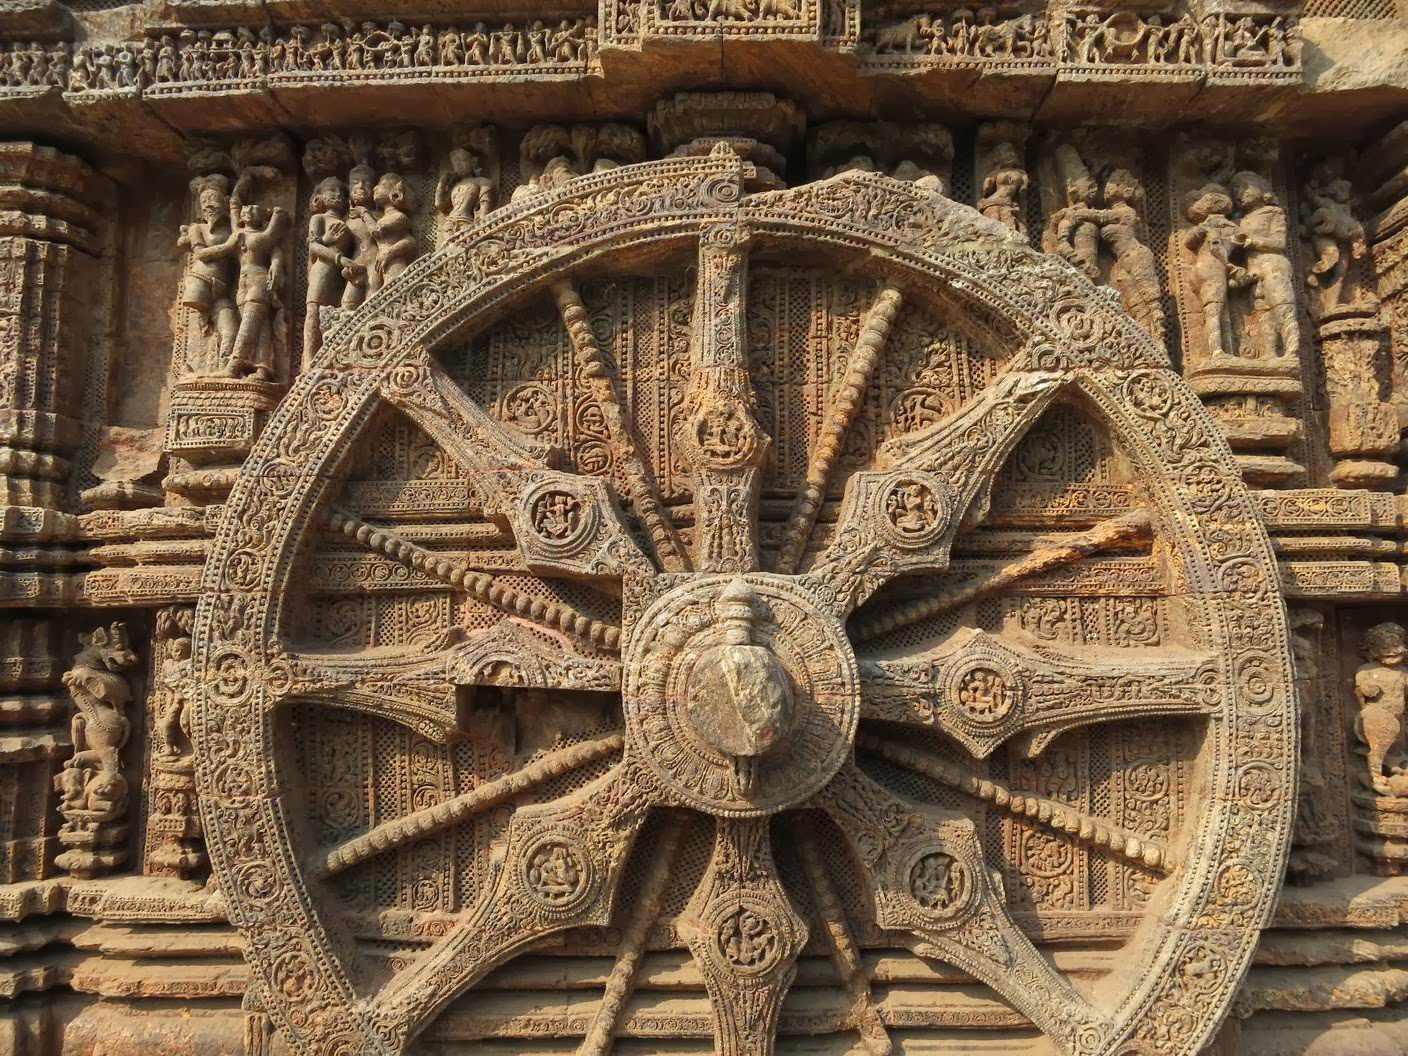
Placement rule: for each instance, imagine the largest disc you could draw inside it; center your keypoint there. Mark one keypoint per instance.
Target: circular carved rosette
(729, 634)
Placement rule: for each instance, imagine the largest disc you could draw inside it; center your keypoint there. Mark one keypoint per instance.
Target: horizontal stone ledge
(1350, 580)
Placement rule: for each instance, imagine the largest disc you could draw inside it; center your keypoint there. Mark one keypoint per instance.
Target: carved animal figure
(779, 9)
(728, 11)
(902, 36)
(101, 691)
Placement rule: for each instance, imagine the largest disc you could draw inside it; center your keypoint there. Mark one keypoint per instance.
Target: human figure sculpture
(259, 237)
(451, 50)
(209, 283)
(1072, 231)
(1337, 238)
(1381, 688)
(1267, 240)
(1003, 187)
(361, 222)
(396, 244)
(1134, 272)
(463, 194)
(1213, 239)
(329, 266)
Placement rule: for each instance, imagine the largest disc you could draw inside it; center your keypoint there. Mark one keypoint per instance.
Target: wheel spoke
(621, 983)
(512, 654)
(1137, 524)
(845, 399)
(720, 435)
(621, 431)
(412, 688)
(428, 396)
(928, 877)
(1061, 818)
(400, 831)
(551, 615)
(983, 689)
(562, 869)
(845, 954)
(902, 518)
(745, 936)
(564, 524)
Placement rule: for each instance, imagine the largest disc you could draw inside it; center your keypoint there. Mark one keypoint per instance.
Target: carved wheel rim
(924, 865)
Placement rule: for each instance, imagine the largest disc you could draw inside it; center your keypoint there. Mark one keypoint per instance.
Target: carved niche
(644, 542)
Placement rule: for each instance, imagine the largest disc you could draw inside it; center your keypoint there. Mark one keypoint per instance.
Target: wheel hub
(740, 692)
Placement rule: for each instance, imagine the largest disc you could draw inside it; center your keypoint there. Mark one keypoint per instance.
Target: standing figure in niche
(259, 237)
(396, 243)
(1380, 687)
(1072, 231)
(1003, 187)
(1134, 273)
(1336, 236)
(1213, 239)
(329, 266)
(1267, 239)
(361, 222)
(463, 194)
(209, 282)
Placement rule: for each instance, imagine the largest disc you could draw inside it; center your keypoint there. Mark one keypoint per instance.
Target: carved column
(49, 250)
(32, 709)
(1363, 425)
(1384, 172)
(48, 245)
(174, 845)
(1318, 821)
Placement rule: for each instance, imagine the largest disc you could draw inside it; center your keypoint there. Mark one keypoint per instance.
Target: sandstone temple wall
(738, 526)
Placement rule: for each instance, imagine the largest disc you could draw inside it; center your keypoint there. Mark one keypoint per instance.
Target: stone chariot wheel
(792, 674)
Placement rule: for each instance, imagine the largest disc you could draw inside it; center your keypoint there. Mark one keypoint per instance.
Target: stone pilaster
(48, 265)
